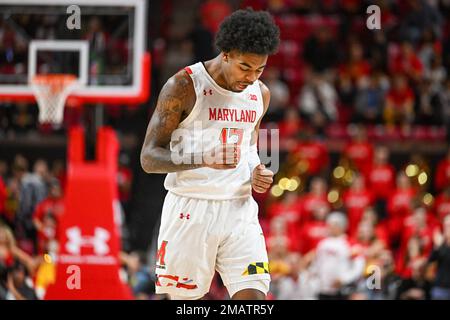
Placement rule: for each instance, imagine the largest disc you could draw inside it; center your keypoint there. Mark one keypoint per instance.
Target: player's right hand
(224, 156)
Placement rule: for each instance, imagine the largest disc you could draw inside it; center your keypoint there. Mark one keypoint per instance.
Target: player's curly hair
(248, 31)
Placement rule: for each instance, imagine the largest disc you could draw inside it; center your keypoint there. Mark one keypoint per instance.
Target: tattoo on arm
(176, 96)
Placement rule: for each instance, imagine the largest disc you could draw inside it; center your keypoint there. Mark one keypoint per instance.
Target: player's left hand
(262, 178)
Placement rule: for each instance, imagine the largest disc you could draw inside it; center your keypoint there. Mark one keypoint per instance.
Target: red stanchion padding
(76, 147)
(88, 265)
(106, 144)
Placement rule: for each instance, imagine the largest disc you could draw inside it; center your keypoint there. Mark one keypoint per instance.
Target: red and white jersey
(381, 180)
(311, 202)
(311, 234)
(315, 154)
(442, 206)
(442, 176)
(360, 153)
(356, 202)
(219, 116)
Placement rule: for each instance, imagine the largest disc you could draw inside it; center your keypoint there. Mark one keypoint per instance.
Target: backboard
(107, 53)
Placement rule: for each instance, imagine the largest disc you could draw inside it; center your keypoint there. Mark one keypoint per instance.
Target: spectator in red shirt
(442, 176)
(400, 205)
(47, 215)
(407, 62)
(359, 151)
(289, 208)
(399, 106)
(419, 224)
(314, 230)
(381, 179)
(381, 175)
(442, 204)
(406, 263)
(357, 67)
(356, 200)
(311, 155)
(290, 125)
(315, 199)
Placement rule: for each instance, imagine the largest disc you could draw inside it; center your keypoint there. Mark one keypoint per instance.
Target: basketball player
(209, 219)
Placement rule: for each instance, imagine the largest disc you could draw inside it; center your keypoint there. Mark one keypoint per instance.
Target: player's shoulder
(180, 85)
(181, 79)
(264, 91)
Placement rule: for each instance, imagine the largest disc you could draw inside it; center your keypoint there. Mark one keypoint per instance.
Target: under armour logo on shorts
(187, 216)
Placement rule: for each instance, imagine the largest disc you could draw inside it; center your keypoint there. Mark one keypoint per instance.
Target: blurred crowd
(362, 230)
(370, 227)
(331, 70)
(31, 208)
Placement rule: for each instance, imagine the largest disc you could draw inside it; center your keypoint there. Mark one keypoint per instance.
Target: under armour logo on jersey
(207, 92)
(99, 241)
(187, 216)
(253, 97)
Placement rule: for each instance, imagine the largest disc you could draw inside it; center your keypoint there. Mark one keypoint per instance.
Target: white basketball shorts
(200, 236)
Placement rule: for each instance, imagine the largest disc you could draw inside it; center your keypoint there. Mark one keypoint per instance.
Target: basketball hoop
(51, 92)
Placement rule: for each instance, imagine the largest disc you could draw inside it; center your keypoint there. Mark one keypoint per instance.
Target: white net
(51, 92)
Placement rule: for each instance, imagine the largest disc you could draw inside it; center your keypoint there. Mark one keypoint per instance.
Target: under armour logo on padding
(99, 241)
(206, 92)
(187, 216)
